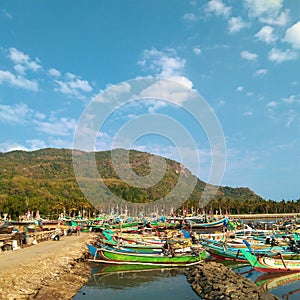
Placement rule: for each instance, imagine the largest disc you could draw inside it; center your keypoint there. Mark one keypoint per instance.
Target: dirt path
(50, 269)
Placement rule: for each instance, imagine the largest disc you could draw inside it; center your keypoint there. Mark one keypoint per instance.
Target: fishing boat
(130, 240)
(138, 239)
(6, 228)
(164, 260)
(194, 224)
(270, 264)
(221, 250)
(148, 243)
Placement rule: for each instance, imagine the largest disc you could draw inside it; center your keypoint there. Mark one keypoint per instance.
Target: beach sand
(48, 270)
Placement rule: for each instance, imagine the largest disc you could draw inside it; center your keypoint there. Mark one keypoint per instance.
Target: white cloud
(248, 113)
(23, 115)
(289, 121)
(7, 14)
(266, 34)
(19, 58)
(280, 19)
(289, 116)
(31, 145)
(292, 35)
(272, 104)
(248, 55)
(170, 90)
(71, 76)
(290, 99)
(261, 72)
(18, 81)
(183, 80)
(155, 105)
(20, 69)
(240, 88)
(268, 11)
(82, 85)
(11, 146)
(235, 24)
(57, 127)
(22, 63)
(165, 64)
(14, 114)
(35, 144)
(197, 51)
(73, 86)
(54, 72)
(218, 8)
(62, 142)
(279, 56)
(190, 17)
(39, 115)
(258, 7)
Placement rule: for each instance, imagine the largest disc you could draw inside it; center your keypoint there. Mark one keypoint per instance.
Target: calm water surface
(157, 284)
(284, 286)
(120, 283)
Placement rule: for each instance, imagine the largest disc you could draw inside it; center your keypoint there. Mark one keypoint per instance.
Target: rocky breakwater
(214, 281)
(49, 270)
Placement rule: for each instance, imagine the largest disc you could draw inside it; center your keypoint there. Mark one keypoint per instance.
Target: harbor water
(107, 282)
(134, 282)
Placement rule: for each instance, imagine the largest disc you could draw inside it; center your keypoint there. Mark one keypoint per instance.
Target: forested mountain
(44, 180)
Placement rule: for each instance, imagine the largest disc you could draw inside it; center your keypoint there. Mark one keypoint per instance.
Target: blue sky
(243, 57)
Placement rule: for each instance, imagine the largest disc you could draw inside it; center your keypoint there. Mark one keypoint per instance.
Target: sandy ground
(48, 270)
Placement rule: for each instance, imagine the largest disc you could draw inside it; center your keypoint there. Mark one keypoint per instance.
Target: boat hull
(113, 256)
(272, 265)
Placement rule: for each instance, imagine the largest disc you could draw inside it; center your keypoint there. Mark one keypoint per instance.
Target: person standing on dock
(225, 224)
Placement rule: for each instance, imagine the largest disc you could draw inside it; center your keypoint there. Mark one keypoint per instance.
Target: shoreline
(51, 269)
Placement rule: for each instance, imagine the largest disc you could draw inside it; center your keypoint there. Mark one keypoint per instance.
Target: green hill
(44, 180)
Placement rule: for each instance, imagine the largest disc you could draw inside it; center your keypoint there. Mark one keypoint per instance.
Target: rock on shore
(214, 281)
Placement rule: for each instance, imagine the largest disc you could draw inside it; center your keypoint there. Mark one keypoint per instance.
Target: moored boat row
(184, 245)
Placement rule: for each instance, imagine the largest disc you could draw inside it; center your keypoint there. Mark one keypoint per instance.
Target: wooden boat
(149, 243)
(164, 225)
(139, 239)
(191, 224)
(6, 229)
(220, 250)
(124, 249)
(270, 265)
(134, 240)
(116, 257)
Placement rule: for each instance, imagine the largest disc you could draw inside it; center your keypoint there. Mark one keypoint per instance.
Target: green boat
(272, 265)
(117, 257)
(219, 250)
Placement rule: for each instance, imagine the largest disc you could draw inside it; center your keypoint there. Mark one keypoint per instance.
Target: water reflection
(283, 285)
(123, 282)
(124, 276)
